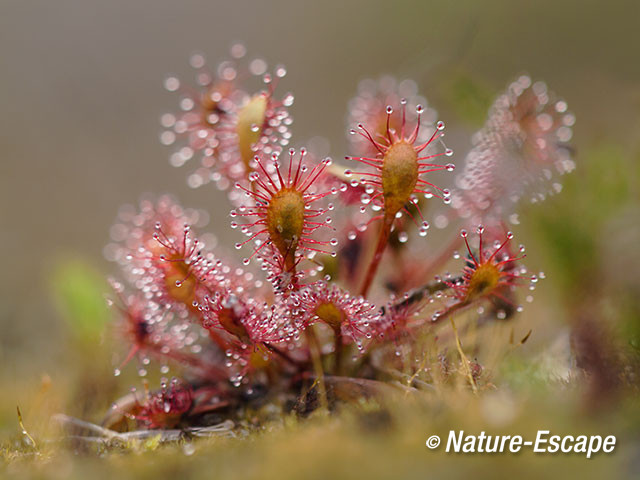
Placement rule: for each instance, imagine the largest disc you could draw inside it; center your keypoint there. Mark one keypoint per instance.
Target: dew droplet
(189, 449)
(172, 84)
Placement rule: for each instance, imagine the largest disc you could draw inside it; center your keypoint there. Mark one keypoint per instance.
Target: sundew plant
(337, 294)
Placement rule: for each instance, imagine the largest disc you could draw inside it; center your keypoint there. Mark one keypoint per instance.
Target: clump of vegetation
(348, 300)
(341, 303)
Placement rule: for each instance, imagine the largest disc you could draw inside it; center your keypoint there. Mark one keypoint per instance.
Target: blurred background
(81, 95)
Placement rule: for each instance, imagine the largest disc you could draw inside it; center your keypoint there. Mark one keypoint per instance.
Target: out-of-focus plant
(469, 97)
(591, 252)
(78, 291)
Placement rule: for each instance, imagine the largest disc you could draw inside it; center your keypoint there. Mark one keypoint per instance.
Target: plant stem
(314, 349)
(450, 311)
(383, 239)
(463, 357)
(316, 358)
(417, 295)
(338, 351)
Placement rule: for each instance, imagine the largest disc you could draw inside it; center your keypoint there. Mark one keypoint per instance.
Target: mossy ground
(381, 440)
